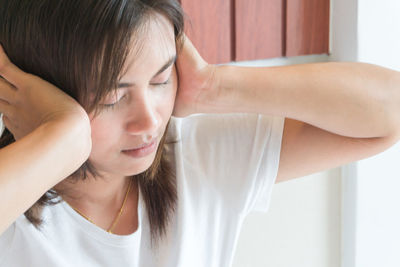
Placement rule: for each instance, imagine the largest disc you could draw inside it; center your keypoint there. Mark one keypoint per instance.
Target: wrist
(220, 96)
(75, 133)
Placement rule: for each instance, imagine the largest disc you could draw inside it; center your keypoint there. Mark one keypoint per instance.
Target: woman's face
(141, 108)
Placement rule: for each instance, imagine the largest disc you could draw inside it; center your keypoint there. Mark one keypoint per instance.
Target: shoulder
(204, 123)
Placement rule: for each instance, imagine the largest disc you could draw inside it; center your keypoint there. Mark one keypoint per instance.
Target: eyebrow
(171, 61)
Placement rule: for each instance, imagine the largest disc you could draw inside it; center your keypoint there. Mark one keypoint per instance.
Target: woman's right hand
(28, 101)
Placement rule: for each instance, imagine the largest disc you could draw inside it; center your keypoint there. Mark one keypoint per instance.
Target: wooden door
(239, 30)
(209, 27)
(259, 28)
(307, 27)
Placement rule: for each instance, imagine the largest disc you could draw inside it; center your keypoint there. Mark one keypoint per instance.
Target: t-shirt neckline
(100, 234)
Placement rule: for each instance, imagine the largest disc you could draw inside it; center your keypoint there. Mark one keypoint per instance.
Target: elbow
(394, 128)
(392, 101)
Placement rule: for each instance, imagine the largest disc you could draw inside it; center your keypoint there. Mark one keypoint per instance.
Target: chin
(139, 167)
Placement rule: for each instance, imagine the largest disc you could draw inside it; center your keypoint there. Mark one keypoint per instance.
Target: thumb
(9, 71)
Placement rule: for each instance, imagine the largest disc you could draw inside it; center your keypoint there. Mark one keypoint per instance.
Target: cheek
(103, 135)
(165, 98)
(170, 101)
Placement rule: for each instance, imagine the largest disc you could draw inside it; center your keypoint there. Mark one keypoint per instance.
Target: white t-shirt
(226, 165)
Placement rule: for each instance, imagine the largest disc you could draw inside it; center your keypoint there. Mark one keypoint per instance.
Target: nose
(144, 119)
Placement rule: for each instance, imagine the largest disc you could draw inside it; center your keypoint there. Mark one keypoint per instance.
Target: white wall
(379, 32)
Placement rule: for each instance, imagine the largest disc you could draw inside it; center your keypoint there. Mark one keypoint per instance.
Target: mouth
(143, 145)
(142, 151)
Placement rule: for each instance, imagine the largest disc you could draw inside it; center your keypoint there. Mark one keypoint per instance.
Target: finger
(7, 91)
(9, 71)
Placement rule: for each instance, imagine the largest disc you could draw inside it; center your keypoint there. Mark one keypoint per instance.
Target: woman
(179, 201)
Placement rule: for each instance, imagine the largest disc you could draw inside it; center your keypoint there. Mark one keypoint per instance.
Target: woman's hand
(197, 82)
(28, 101)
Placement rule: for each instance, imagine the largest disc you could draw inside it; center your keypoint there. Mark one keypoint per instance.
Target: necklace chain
(119, 213)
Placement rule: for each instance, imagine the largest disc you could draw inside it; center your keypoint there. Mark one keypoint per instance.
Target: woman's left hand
(197, 81)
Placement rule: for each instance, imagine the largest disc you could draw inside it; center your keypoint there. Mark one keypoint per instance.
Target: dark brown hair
(81, 47)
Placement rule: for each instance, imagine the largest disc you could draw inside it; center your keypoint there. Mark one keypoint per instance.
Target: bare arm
(334, 113)
(349, 99)
(53, 139)
(37, 162)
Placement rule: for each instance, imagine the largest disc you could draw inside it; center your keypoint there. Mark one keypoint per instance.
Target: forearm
(350, 99)
(36, 163)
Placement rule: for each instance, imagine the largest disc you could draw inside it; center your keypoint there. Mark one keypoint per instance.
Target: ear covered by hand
(197, 81)
(27, 101)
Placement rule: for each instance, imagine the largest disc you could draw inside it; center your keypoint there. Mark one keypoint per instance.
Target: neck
(96, 192)
(101, 200)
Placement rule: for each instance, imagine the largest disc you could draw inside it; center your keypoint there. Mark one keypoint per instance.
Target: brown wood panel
(307, 27)
(259, 29)
(209, 28)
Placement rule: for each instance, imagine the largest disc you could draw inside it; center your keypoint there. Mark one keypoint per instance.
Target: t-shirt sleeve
(6, 239)
(235, 155)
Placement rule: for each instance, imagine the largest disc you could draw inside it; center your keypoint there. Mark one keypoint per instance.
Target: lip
(142, 151)
(144, 145)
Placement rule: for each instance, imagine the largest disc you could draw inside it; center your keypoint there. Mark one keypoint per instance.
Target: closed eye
(169, 63)
(112, 105)
(164, 83)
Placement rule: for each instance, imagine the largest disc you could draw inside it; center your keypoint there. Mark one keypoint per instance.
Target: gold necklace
(119, 214)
